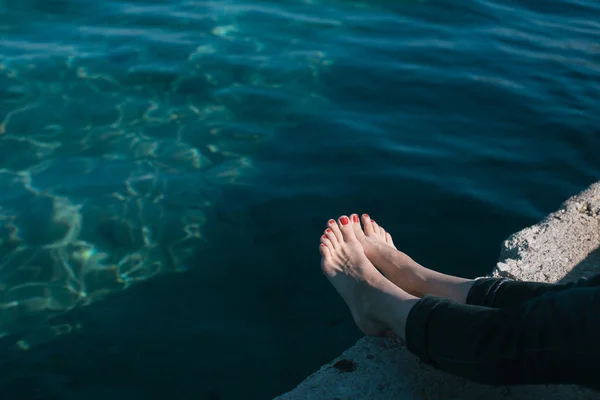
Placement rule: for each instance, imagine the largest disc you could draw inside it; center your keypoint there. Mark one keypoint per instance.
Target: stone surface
(563, 247)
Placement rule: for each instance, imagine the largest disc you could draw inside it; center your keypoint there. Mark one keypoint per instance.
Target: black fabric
(512, 333)
(485, 292)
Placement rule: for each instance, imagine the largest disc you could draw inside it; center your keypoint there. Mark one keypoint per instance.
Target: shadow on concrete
(588, 267)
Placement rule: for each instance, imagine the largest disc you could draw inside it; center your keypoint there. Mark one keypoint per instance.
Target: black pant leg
(502, 292)
(549, 339)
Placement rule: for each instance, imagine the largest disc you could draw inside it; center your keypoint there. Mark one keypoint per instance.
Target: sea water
(167, 168)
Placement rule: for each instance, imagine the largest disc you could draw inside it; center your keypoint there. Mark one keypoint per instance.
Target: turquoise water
(166, 169)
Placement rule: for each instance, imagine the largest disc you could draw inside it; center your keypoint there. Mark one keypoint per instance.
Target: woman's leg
(419, 281)
(501, 293)
(548, 339)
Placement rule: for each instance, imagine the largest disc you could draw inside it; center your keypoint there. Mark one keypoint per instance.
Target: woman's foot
(372, 235)
(379, 248)
(377, 305)
(402, 270)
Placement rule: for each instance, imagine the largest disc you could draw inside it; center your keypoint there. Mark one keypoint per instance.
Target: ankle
(395, 319)
(441, 285)
(415, 280)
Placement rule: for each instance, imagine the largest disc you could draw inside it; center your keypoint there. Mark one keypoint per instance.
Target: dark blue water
(166, 169)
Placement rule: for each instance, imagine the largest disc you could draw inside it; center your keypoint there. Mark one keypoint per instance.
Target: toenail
(355, 218)
(366, 215)
(331, 221)
(328, 230)
(344, 220)
(324, 237)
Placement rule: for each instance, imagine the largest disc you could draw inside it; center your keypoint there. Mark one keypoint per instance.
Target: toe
(346, 228)
(356, 225)
(388, 239)
(376, 229)
(332, 238)
(367, 224)
(333, 225)
(324, 250)
(325, 240)
(379, 231)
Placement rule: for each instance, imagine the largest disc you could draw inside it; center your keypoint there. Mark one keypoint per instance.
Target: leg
(501, 293)
(549, 339)
(420, 281)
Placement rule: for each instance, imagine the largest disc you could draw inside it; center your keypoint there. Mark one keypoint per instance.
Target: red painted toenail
(373, 221)
(366, 215)
(344, 220)
(355, 218)
(328, 230)
(324, 237)
(331, 222)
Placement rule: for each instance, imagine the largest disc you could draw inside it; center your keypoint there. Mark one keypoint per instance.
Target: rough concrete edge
(548, 251)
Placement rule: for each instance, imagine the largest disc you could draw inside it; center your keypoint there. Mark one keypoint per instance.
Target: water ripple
(122, 123)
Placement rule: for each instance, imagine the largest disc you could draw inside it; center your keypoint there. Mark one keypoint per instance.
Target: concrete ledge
(563, 247)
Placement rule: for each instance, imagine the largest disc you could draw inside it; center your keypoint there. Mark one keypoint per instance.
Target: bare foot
(373, 236)
(400, 269)
(377, 305)
(379, 248)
